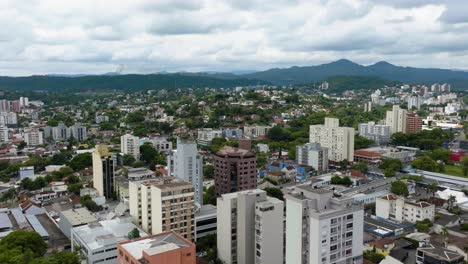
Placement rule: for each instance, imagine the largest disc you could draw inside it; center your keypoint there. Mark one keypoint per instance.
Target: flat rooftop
(155, 244)
(107, 232)
(79, 216)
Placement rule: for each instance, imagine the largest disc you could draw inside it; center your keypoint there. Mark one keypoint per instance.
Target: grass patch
(454, 171)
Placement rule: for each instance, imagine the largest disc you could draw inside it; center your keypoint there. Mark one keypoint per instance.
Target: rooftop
(155, 244)
(79, 216)
(441, 253)
(104, 233)
(166, 182)
(232, 151)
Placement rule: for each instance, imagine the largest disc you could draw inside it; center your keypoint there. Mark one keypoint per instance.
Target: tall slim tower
(103, 171)
(186, 163)
(396, 119)
(130, 144)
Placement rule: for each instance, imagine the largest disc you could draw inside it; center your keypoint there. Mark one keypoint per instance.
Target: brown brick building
(413, 123)
(235, 170)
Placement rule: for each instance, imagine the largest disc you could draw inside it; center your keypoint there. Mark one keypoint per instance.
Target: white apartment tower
(3, 133)
(314, 155)
(163, 204)
(250, 228)
(322, 229)
(130, 144)
(379, 133)
(186, 163)
(396, 119)
(338, 140)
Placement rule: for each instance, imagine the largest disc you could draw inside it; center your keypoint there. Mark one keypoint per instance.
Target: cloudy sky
(144, 36)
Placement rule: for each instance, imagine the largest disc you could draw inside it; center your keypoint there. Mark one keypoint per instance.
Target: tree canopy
(399, 188)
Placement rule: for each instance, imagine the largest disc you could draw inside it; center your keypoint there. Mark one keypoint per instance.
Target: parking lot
(57, 240)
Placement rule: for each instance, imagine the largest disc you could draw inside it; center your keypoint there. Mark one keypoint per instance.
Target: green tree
(21, 247)
(278, 133)
(135, 233)
(87, 202)
(274, 192)
(425, 163)
(128, 160)
(399, 188)
(148, 153)
(210, 196)
(75, 188)
(60, 158)
(441, 154)
(81, 161)
(391, 164)
(360, 166)
(464, 165)
(362, 142)
(208, 171)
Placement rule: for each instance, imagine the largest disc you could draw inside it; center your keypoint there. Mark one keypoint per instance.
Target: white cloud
(93, 36)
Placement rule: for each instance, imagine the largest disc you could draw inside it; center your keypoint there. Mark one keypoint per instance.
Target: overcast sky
(145, 36)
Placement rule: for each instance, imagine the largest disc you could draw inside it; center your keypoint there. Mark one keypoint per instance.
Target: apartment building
(4, 133)
(321, 228)
(33, 137)
(163, 204)
(164, 248)
(378, 133)
(98, 241)
(206, 135)
(399, 209)
(314, 155)
(256, 131)
(250, 228)
(413, 123)
(130, 145)
(338, 140)
(235, 170)
(79, 132)
(104, 163)
(187, 164)
(396, 119)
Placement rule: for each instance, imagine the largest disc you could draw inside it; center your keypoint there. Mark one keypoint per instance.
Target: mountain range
(294, 75)
(343, 67)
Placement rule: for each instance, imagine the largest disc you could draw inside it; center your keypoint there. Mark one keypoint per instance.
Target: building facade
(104, 163)
(130, 145)
(314, 155)
(98, 241)
(379, 133)
(250, 228)
(395, 208)
(338, 140)
(33, 137)
(413, 123)
(321, 228)
(235, 170)
(187, 164)
(396, 119)
(163, 204)
(167, 247)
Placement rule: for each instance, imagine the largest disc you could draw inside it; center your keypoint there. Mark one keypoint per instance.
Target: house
(382, 246)
(430, 255)
(31, 208)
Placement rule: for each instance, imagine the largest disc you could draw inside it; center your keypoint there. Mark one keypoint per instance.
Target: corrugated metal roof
(37, 226)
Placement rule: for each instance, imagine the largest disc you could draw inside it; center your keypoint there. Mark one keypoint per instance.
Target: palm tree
(451, 201)
(433, 188)
(444, 232)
